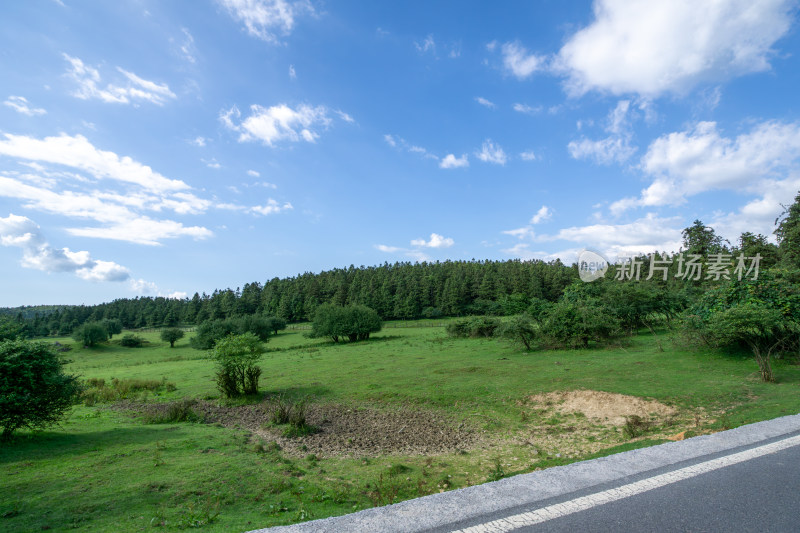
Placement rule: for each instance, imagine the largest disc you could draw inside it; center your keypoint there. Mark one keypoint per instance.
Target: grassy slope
(105, 471)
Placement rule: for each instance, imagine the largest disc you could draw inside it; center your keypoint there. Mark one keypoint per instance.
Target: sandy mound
(603, 406)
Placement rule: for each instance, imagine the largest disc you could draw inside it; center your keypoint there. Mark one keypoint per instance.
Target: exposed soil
(579, 422)
(341, 430)
(603, 407)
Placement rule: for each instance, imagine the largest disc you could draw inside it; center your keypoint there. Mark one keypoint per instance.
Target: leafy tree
(113, 326)
(763, 329)
(90, 334)
(210, 331)
(788, 233)
(751, 245)
(34, 390)
(762, 314)
(275, 324)
(520, 330)
(702, 240)
(237, 357)
(171, 335)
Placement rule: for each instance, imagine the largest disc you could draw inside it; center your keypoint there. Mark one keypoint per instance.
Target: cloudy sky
(164, 148)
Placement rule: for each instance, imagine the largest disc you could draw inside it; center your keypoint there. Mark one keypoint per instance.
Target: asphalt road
(757, 495)
(745, 479)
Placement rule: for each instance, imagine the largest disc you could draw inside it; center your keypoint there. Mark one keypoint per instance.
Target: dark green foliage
(762, 315)
(573, 324)
(788, 234)
(479, 326)
(34, 390)
(211, 331)
(354, 322)
(701, 239)
(90, 334)
(171, 335)
(519, 330)
(131, 341)
(275, 324)
(395, 291)
(237, 358)
(538, 308)
(11, 329)
(294, 414)
(112, 326)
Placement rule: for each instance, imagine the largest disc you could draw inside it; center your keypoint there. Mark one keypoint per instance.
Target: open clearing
(405, 414)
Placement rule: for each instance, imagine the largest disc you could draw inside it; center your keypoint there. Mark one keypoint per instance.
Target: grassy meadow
(109, 468)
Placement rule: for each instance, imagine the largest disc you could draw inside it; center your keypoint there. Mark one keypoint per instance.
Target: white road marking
(583, 503)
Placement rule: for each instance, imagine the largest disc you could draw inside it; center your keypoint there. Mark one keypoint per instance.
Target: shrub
(573, 325)
(211, 331)
(97, 391)
(354, 322)
(479, 326)
(34, 390)
(237, 357)
(131, 341)
(180, 411)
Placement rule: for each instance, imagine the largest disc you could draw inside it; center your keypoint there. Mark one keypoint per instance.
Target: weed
(398, 469)
(180, 411)
(635, 426)
(497, 473)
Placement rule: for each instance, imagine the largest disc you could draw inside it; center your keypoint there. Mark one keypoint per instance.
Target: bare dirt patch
(579, 422)
(607, 407)
(342, 431)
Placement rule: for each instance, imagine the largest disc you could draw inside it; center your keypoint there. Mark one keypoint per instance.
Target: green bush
(34, 390)
(574, 324)
(180, 411)
(131, 341)
(211, 331)
(478, 326)
(354, 322)
(237, 359)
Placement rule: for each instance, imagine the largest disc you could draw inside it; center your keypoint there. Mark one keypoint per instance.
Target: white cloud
(427, 45)
(137, 89)
(142, 230)
(264, 18)
(526, 232)
(344, 116)
(20, 105)
(519, 62)
(77, 152)
(451, 161)
(644, 235)
(649, 48)
(492, 153)
(526, 109)
(199, 141)
(687, 163)
(614, 148)
(528, 155)
(484, 102)
(278, 123)
(388, 249)
(436, 241)
(390, 140)
(292, 73)
(24, 233)
(270, 208)
(603, 151)
(253, 173)
(544, 213)
(212, 163)
(188, 49)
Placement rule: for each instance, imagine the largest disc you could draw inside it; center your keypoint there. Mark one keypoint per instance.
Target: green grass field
(105, 469)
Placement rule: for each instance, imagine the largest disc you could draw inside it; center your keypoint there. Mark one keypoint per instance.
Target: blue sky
(164, 148)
